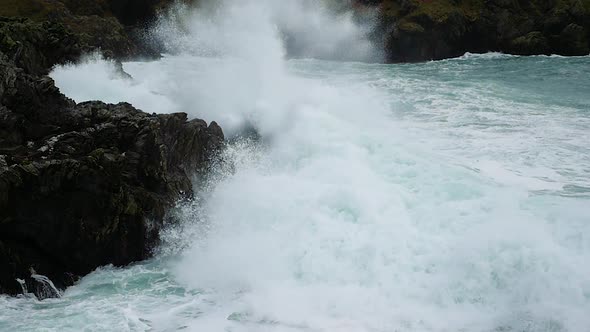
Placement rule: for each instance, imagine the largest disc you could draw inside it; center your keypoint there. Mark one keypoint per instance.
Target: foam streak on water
(445, 196)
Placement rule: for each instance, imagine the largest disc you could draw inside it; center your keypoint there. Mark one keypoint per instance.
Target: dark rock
(82, 185)
(85, 185)
(573, 41)
(88, 7)
(418, 30)
(105, 34)
(113, 27)
(37, 46)
(424, 37)
(133, 12)
(533, 43)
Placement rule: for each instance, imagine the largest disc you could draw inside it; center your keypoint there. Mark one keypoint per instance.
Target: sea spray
(251, 88)
(427, 197)
(23, 286)
(304, 29)
(45, 287)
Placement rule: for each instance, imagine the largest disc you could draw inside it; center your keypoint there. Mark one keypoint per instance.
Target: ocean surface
(450, 195)
(443, 196)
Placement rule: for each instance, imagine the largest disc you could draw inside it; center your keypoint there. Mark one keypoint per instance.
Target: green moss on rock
(418, 30)
(532, 43)
(439, 11)
(411, 27)
(33, 9)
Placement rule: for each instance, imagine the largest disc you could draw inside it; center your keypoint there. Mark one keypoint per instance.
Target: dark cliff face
(82, 185)
(35, 47)
(128, 12)
(419, 30)
(133, 12)
(113, 26)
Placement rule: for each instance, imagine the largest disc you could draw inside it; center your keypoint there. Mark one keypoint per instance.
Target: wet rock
(82, 185)
(85, 185)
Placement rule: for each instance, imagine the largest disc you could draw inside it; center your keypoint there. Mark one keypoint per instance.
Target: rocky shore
(82, 185)
(422, 30)
(89, 184)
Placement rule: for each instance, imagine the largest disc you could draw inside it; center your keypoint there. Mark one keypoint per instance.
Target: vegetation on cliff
(113, 26)
(416, 30)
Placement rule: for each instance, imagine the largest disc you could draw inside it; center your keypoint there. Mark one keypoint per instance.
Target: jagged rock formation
(81, 185)
(113, 26)
(418, 30)
(36, 46)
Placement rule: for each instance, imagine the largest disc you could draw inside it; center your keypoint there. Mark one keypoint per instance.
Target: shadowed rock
(115, 27)
(83, 185)
(419, 30)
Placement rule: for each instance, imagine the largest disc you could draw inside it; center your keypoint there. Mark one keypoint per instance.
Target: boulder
(573, 40)
(532, 43)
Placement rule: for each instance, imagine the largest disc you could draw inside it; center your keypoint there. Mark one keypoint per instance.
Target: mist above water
(268, 29)
(246, 40)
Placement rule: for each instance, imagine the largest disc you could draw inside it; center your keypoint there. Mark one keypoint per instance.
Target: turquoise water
(443, 196)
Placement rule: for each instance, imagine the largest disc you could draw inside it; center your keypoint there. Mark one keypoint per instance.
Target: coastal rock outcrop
(36, 46)
(82, 185)
(420, 30)
(115, 27)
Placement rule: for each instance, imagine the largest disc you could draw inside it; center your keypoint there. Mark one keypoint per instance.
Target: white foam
(353, 214)
(95, 78)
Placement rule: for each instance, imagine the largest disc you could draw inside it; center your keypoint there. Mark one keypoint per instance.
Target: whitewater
(450, 195)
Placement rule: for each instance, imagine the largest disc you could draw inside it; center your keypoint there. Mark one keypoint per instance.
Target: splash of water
(260, 30)
(379, 198)
(45, 289)
(250, 88)
(23, 286)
